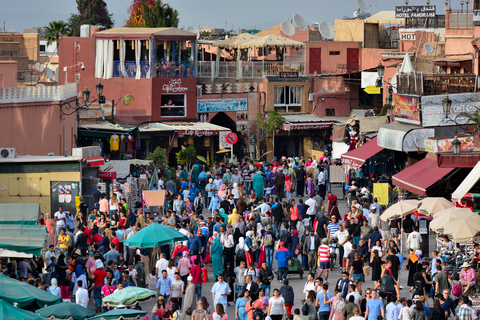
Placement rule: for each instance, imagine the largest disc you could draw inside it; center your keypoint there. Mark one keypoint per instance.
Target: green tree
(54, 30)
(90, 12)
(158, 156)
(161, 15)
(270, 123)
(187, 155)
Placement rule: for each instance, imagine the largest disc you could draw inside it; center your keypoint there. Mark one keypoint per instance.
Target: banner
(219, 105)
(380, 191)
(406, 108)
(433, 114)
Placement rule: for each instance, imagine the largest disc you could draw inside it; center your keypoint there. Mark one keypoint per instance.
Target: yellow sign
(372, 90)
(380, 191)
(77, 202)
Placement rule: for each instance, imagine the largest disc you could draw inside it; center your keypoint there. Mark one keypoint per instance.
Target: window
(330, 112)
(334, 53)
(173, 105)
(288, 99)
(42, 48)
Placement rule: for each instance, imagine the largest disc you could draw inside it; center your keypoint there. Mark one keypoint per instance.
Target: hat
(416, 297)
(98, 264)
(324, 240)
(78, 252)
(210, 180)
(189, 278)
(161, 298)
(465, 265)
(281, 244)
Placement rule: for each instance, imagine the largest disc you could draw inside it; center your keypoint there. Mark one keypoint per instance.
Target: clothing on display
(114, 142)
(129, 144)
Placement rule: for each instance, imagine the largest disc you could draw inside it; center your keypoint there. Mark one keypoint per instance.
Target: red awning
(356, 158)
(95, 162)
(421, 176)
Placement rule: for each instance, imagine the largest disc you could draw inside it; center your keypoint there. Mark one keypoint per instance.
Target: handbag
(188, 312)
(305, 309)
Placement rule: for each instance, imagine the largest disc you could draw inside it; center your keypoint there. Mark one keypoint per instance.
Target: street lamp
(447, 105)
(380, 69)
(456, 144)
(86, 94)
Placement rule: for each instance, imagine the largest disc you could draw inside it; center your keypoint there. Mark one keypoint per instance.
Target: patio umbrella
(9, 312)
(66, 310)
(400, 209)
(271, 40)
(155, 235)
(23, 294)
(122, 314)
(235, 41)
(128, 296)
(430, 206)
(464, 227)
(441, 218)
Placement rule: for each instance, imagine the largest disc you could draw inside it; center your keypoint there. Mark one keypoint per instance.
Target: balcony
(246, 69)
(435, 84)
(36, 94)
(182, 69)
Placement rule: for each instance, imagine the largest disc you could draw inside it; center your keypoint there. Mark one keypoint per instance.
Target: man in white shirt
(342, 236)
(321, 181)
(160, 185)
(161, 264)
(49, 254)
(373, 217)
(81, 297)
(60, 219)
(264, 208)
(312, 209)
(414, 239)
(355, 294)
(309, 286)
(347, 248)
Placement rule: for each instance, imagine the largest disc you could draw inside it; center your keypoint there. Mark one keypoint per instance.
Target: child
(65, 291)
(296, 313)
(186, 192)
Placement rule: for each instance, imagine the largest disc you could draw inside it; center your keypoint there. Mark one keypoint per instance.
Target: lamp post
(456, 144)
(447, 105)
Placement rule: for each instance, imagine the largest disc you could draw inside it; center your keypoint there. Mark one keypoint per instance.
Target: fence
(41, 93)
(246, 69)
(179, 69)
(460, 20)
(421, 84)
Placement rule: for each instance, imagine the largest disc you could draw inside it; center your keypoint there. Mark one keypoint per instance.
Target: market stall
(153, 199)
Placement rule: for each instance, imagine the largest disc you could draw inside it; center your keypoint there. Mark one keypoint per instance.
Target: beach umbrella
(9, 312)
(66, 311)
(463, 228)
(430, 206)
(441, 218)
(120, 314)
(128, 296)
(22, 294)
(400, 209)
(155, 235)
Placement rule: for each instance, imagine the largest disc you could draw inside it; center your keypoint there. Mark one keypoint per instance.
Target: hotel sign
(408, 12)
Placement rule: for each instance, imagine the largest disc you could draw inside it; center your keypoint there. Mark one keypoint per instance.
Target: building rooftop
(146, 33)
(21, 159)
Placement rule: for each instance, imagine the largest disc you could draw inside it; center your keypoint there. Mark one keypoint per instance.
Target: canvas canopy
(467, 184)
(155, 235)
(235, 41)
(9, 312)
(19, 213)
(271, 41)
(128, 296)
(66, 311)
(120, 314)
(154, 198)
(23, 294)
(23, 238)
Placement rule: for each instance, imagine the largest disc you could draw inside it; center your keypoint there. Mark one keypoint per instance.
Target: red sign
(232, 138)
(110, 175)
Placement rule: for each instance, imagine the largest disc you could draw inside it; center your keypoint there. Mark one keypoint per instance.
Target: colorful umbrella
(66, 310)
(155, 235)
(23, 295)
(120, 314)
(128, 296)
(9, 312)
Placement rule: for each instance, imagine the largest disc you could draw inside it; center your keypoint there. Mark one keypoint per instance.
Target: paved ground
(295, 280)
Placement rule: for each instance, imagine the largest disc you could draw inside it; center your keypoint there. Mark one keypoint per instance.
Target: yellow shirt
(63, 238)
(114, 142)
(232, 218)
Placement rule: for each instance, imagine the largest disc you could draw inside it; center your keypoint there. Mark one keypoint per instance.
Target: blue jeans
(96, 295)
(282, 273)
(238, 290)
(248, 187)
(269, 254)
(266, 288)
(198, 290)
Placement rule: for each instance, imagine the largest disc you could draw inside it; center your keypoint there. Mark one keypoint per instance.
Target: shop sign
(445, 145)
(110, 175)
(430, 145)
(197, 133)
(286, 75)
(380, 191)
(407, 12)
(432, 110)
(407, 36)
(175, 85)
(221, 105)
(414, 139)
(406, 108)
(306, 126)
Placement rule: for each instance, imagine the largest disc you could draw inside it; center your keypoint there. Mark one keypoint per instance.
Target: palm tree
(54, 30)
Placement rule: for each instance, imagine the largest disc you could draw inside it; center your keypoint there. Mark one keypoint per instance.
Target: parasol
(155, 235)
(400, 209)
(66, 310)
(463, 228)
(441, 218)
(430, 206)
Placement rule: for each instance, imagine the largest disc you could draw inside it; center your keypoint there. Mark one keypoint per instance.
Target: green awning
(128, 296)
(9, 312)
(66, 311)
(19, 213)
(29, 239)
(120, 314)
(24, 295)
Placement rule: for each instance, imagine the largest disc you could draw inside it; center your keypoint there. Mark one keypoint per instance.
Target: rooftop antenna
(428, 48)
(288, 28)
(49, 73)
(361, 11)
(326, 30)
(193, 29)
(299, 21)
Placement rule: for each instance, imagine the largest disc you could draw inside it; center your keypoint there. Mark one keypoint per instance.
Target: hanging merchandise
(121, 150)
(129, 144)
(114, 145)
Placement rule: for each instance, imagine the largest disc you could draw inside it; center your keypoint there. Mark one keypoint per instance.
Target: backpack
(417, 288)
(456, 290)
(241, 254)
(305, 309)
(268, 240)
(284, 237)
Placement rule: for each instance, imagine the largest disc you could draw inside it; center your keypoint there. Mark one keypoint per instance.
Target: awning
(127, 33)
(19, 213)
(29, 239)
(397, 136)
(356, 158)
(95, 162)
(421, 176)
(197, 129)
(305, 122)
(467, 184)
(153, 198)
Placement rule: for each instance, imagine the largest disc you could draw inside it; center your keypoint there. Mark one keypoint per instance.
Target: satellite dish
(193, 29)
(288, 28)
(39, 66)
(299, 21)
(49, 73)
(326, 30)
(361, 5)
(428, 47)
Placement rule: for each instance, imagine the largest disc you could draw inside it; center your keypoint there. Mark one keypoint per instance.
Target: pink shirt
(184, 266)
(107, 290)
(91, 265)
(468, 275)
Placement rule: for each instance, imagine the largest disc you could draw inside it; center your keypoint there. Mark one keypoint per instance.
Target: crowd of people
(243, 221)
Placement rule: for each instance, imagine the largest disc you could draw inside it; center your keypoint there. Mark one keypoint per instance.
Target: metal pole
(113, 110)
(231, 147)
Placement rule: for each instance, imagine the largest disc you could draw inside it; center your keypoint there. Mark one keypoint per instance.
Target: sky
(248, 14)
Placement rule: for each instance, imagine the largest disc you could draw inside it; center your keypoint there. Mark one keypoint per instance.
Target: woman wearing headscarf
(78, 275)
(223, 214)
(249, 243)
(258, 184)
(54, 288)
(190, 299)
(216, 252)
(195, 173)
(50, 228)
(295, 242)
(230, 279)
(310, 187)
(337, 311)
(214, 203)
(333, 211)
(184, 266)
(229, 252)
(241, 250)
(288, 186)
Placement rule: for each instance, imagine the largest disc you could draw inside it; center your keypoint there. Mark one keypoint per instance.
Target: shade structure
(128, 296)
(25, 213)
(271, 40)
(29, 239)
(154, 197)
(155, 235)
(357, 157)
(463, 228)
(9, 312)
(66, 311)
(400, 209)
(23, 294)
(430, 206)
(421, 176)
(442, 217)
(122, 314)
(470, 180)
(235, 41)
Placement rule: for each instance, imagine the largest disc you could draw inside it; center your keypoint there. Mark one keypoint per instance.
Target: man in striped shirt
(332, 227)
(324, 259)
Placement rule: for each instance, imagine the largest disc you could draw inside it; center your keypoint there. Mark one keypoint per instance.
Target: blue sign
(219, 105)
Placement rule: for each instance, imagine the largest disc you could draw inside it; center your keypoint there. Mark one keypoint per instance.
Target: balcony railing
(246, 69)
(41, 93)
(181, 69)
(460, 20)
(421, 84)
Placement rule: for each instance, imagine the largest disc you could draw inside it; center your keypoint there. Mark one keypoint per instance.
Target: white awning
(467, 183)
